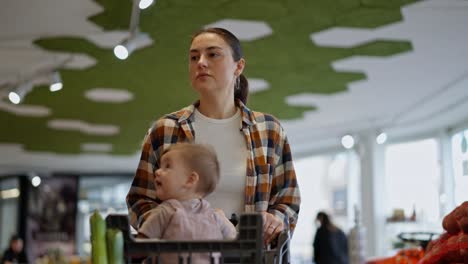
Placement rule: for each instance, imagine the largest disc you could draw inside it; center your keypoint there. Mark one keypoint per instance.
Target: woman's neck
(217, 109)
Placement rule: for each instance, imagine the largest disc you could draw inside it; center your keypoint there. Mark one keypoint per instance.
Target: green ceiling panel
(382, 48)
(158, 75)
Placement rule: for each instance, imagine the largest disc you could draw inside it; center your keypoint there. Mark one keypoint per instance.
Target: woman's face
(211, 65)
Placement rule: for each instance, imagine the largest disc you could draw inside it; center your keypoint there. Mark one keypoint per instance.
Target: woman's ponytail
(241, 89)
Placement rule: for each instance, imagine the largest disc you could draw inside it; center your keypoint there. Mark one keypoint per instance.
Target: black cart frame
(248, 248)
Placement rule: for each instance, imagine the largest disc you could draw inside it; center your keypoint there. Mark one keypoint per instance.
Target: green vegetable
(98, 239)
(115, 246)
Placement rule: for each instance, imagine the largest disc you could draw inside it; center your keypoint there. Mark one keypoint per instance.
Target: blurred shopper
(330, 243)
(15, 252)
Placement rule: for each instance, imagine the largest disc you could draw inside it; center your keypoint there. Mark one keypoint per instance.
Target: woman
(330, 243)
(257, 173)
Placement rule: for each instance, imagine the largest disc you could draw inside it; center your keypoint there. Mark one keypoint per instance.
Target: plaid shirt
(271, 183)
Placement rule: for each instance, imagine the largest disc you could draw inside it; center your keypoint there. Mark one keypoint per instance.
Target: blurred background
(373, 95)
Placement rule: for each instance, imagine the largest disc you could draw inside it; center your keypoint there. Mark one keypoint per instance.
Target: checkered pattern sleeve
(285, 197)
(140, 198)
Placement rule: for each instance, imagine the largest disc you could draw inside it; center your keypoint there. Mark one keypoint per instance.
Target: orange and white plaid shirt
(271, 183)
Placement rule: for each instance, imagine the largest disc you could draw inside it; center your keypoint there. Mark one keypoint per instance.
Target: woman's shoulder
(261, 117)
(267, 122)
(173, 119)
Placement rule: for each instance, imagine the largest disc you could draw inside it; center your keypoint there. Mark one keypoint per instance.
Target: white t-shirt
(227, 139)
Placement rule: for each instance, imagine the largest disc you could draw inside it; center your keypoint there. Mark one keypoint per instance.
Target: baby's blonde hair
(202, 159)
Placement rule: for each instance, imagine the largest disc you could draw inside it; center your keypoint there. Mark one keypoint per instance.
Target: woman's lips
(202, 75)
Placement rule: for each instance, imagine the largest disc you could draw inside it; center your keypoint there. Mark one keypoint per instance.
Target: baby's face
(170, 178)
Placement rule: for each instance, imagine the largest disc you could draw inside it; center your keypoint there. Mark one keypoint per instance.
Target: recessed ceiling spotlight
(347, 141)
(36, 181)
(381, 138)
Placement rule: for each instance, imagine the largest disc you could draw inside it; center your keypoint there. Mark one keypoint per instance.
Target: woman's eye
(193, 58)
(214, 55)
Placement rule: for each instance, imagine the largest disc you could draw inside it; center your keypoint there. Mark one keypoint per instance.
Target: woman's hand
(272, 227)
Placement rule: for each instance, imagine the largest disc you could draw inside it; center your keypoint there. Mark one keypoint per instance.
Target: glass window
(460, 166)
(412, 181)
(9, 199)
(412, 177)
(324, 184)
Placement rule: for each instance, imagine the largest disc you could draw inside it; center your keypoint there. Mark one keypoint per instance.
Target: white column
(353, 185)
(447, 184)
(372, 192)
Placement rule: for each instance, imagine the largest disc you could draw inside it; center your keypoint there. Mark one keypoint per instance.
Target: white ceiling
(418, 92)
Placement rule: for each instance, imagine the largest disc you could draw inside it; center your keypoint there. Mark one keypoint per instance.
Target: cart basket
(247, 248)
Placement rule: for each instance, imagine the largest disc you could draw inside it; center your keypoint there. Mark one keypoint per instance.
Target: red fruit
(452, 250)
(450, 223)
(430, 245)
(463, 244)
(463, 223)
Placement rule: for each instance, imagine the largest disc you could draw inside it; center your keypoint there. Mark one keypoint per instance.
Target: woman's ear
(240, 67)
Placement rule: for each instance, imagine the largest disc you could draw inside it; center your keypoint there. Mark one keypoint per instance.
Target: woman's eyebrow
(209, 48)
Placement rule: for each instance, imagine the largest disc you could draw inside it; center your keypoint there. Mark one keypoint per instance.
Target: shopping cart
(247, 248)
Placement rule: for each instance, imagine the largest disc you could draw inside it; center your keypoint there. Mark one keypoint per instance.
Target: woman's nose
(202, 62)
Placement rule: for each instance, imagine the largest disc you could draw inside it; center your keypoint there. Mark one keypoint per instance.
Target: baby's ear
(193, 178)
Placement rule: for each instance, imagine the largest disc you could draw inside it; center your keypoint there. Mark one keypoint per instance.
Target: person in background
(257, 172)
(330, 243)
(15, 252)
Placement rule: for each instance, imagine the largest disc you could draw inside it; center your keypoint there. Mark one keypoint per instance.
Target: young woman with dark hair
(257, 172)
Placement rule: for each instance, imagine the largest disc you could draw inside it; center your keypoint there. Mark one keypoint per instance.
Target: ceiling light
(36, 181)
(18, 94)
(145, 4)
(347, 141)
(14, 97)
(121, 52)
(56, 82)
(381, 138)
(135, 41)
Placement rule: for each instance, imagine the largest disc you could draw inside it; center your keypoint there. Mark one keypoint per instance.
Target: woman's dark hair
(241, 91)
(325, 221)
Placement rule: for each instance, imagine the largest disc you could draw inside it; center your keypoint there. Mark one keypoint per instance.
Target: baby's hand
(228, 229)
(219, 212)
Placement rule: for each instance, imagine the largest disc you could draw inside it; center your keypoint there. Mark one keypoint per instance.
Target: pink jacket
(187, 220)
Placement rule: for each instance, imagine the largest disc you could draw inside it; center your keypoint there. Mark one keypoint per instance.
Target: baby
(187, 173)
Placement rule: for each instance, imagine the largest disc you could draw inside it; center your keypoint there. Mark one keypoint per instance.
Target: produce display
(107, 245)
(452, 246)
